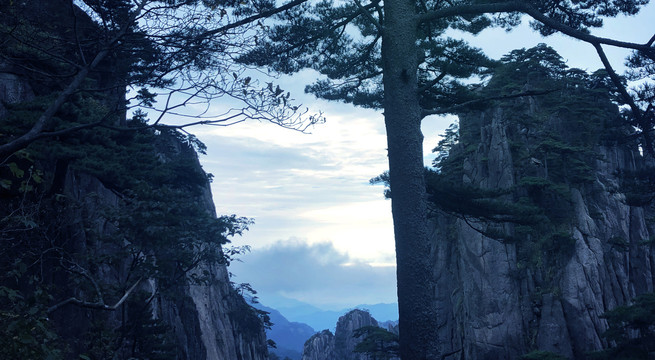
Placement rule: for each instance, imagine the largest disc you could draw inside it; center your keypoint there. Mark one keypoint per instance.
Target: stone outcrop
(13, 89)
(207, 320)
(319, 347)
(344, 340)
(340, 346)
(498, 298)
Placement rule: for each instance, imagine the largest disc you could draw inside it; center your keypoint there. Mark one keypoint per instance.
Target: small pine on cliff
(534, 240)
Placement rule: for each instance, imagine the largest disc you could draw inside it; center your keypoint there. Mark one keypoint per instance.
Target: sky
(322, 234)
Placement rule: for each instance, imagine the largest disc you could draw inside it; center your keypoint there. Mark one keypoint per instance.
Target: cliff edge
(533, 237)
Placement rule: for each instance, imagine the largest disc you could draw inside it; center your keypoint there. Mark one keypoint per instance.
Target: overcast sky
(322, 234)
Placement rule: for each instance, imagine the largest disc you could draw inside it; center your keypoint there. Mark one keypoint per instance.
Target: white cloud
(314, 186)
(317, 274)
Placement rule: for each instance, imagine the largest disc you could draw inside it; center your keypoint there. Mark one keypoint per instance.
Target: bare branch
(636, 111)
(100, 305)
(77, 269)
(650, 42)
(206, 90)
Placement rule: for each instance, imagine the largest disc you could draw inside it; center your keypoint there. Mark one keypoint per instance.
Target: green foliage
(164, 223)
(249, 320)
(19, 175)
(148, 338)
(483, 204)
(445, 146)
(314, 36)
(638, 186)
(384, 180)
(377, 343)
(26, 332)
(553, 143)
(631, 330)
(161, 229)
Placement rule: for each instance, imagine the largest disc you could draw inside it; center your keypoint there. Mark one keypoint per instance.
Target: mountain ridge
(320, 319)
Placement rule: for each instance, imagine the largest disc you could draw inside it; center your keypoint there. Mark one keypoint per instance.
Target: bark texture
(402, 115)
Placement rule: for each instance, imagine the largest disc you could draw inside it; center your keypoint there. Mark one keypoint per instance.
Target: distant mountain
(295, 321)
(318, 319)
(291, 308)
(341, 345)
(289, 336)
(382, 312)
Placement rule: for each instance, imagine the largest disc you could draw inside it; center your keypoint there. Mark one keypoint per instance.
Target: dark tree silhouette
(396, 56)
(179, 52)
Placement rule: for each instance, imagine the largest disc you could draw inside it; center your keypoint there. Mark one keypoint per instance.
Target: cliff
(205, 320)
(111, 247)
(355, 329)
(538, 241)
(319, 347)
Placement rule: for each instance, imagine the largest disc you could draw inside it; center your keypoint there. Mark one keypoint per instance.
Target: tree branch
(40, 129)
(454, 108)
(368, 15)
(516, 6)
(94, 305)
(41, 124)
(636, 111)
(432, 83)
(253, 18)
(461, 10)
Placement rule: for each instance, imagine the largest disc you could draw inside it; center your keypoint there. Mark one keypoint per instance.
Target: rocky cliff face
(196, 315)
(319, 347)
(501, 296)
(207, 321)
(341, 345)
(344, 339)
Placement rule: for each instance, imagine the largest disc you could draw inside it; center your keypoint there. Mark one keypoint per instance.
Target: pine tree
(396, 56)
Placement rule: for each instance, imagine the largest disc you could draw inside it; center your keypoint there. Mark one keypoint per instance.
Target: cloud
(315, 273)
(314, 186)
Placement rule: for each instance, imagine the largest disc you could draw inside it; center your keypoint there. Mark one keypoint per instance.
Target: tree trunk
(402, 113)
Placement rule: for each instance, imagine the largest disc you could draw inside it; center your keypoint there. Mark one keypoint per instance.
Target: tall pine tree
(397, 56)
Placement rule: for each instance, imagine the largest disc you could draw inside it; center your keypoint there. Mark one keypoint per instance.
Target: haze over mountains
(320, 319)
(295, 321)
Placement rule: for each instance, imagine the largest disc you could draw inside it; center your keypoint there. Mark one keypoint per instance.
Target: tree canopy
(103, 214)
(398, 55)
(173, 57)
(401, 56)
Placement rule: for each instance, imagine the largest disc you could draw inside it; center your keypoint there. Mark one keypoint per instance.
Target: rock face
(500, 297)
(341, 345)
(206, 319)
(319, 347)
(344, 341)
(209, 321)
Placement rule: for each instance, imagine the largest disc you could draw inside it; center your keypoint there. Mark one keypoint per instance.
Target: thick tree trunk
(402, 113)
